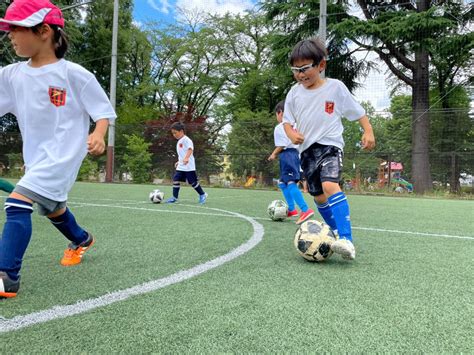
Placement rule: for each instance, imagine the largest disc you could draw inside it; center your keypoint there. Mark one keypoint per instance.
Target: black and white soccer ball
(277, 210)
(313, 240)
(156, 196)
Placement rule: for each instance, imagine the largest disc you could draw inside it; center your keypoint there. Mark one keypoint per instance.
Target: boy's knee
(330, 188)
(320, 199)
(18, 196)
(57, 213)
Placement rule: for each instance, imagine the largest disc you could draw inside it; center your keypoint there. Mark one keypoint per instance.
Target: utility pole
(323, 14)
(109, 173)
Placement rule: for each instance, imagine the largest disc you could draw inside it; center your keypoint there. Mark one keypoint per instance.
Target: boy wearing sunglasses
(316, 106)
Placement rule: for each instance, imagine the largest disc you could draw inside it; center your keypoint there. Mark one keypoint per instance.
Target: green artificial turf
(403, 293)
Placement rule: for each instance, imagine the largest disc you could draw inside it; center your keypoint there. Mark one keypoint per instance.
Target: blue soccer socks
(326, 212)
(340, 211)
(15, 237)
(288, 196)
(298, 196)
(67, 225)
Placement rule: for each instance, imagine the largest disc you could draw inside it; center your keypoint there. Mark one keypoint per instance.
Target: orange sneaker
(73, 254)
(8, 287)
(304, 216)
(292, 213)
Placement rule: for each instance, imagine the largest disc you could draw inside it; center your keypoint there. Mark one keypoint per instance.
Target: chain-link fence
(409, 63)
(377, 171)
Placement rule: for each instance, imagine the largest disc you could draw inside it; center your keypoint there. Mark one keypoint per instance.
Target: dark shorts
(182, 176)
(289, 165)
(321, 163)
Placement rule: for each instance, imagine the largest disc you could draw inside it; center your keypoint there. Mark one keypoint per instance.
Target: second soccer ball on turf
(313, 240)
(277, 210)
(156, 196)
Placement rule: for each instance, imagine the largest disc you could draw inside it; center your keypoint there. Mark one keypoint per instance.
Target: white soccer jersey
(317, 113)
(182, 147)
(52, 105)
(281, 139)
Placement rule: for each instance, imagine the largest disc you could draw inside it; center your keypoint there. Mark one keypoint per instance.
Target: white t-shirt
(52, 105)
(317, 113)
(185, 143)
(281, 139)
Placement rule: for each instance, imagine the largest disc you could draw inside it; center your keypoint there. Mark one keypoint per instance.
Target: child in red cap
(53, 101)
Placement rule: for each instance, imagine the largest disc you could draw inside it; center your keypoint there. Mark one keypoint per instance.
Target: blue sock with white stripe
(340, 211)
(288, 196)
(298, 196)
(197, 186)
(67, 225)
(15, 237)
(325, 212)
(176, 187)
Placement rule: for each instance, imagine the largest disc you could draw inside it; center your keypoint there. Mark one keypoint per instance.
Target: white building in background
(466, 180)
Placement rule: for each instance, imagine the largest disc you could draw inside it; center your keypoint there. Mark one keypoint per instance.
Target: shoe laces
(70, 251)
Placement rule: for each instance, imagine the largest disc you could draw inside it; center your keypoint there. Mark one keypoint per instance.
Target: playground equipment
(250, 182)
(390, 173)
(407, 185)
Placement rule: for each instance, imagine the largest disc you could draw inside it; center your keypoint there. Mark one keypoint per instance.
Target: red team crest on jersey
(57, 96)
(329, 107)
(181, 145)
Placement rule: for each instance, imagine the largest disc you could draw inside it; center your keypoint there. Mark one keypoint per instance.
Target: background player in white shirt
(53, 101)
(316, 106)
(289, 157)
(185, 166)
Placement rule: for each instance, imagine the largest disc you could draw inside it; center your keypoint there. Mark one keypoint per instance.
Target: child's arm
(275, 153)
(295, 136)
(187, 156)
(368, 139)
(96, 142)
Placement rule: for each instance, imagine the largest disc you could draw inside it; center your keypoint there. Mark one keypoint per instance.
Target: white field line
(393, 231)
(415, 233)
(58, 312)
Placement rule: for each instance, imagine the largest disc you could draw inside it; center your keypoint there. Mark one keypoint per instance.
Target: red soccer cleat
(304, 216)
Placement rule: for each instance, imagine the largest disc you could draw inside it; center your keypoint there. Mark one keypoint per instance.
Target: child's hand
(296, 137)
(185, 161)
(95, 144)
(368, 140)
(272, 157)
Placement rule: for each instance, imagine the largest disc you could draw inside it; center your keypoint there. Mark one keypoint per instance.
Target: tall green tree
(250, 144)
(296, 20)
(404, 35)
(95, 47)
(138, 159)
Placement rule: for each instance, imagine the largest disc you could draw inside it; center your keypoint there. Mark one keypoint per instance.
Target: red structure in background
(388, 171)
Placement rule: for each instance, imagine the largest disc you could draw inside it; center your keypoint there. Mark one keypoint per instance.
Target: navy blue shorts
(321, 163)
(289, 165)
(182, 176)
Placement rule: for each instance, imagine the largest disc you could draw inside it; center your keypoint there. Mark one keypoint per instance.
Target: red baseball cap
(29, 13)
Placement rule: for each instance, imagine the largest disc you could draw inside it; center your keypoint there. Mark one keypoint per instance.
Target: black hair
(309, 49)
(177, 126)
(60, 39)
(280, 107)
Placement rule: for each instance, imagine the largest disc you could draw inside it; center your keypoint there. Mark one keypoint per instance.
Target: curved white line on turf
(57, 312)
